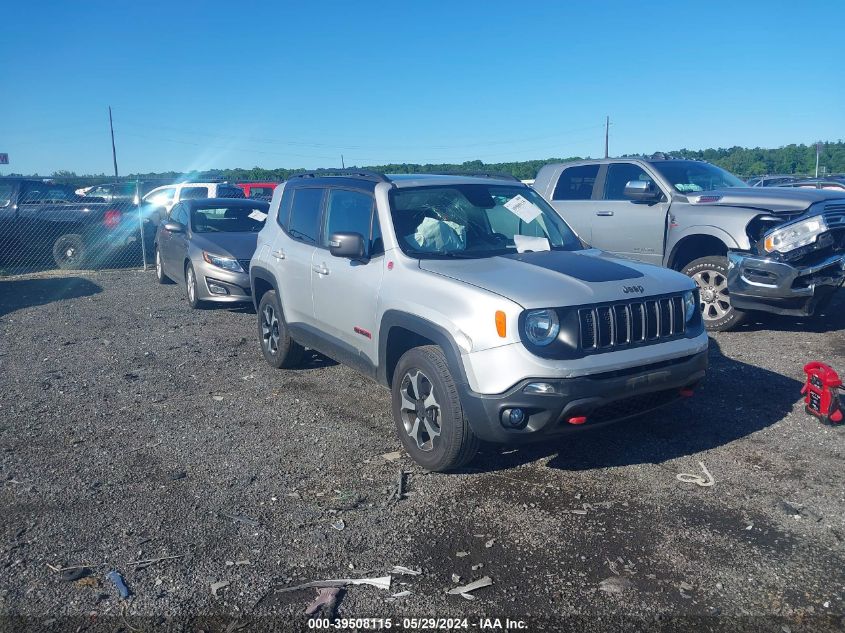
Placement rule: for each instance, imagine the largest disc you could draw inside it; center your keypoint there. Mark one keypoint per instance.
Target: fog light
(216, 289)
(539, 387)
(514, 418)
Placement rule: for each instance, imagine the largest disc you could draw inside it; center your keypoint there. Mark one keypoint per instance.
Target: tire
(160, 276)
(454, 445)
(279, 349)
(69, 251)
(191, 288)
(711, 276)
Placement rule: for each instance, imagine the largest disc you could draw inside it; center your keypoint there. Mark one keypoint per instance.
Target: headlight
(788, 238)
(226, 263)
(689, 305)
(541, 327)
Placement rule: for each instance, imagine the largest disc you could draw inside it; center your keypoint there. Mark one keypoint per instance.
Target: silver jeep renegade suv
(475, 303)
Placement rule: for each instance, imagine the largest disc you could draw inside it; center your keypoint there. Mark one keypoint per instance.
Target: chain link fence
(87, 223)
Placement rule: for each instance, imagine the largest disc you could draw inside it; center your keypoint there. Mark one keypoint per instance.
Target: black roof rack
(349, 173)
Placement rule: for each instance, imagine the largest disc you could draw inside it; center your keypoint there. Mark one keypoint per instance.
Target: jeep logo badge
(629, 289)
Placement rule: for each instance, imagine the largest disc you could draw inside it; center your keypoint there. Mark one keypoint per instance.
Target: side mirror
(642, 190)
(349, 245)
(173, 227)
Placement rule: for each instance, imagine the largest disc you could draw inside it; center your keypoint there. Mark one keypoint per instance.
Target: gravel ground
(133, 428)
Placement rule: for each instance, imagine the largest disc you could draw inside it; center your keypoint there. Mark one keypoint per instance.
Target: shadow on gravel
(17, 294)
(830, 320)
(735, 400)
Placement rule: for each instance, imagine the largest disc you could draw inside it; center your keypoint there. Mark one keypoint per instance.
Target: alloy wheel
(713, 289)
(191, 283)
(419, 409)
(270, 330)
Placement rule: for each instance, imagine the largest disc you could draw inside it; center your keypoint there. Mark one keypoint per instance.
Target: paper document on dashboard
(523, 208)
(526, 243)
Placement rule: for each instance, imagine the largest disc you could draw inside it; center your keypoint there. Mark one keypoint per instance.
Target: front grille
(627, 323)
(244, 264)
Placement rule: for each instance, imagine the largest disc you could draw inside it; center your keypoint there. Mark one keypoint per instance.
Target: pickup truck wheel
(69, 251)
(160, 276)
(711, 276)
(279, 349)
(427, 411)
(191, 288)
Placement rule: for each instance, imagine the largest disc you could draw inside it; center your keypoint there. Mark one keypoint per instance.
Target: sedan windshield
(476, 220)
(228, 220)
(689, 176)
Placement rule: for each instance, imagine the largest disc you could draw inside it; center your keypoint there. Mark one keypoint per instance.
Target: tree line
(742, 161)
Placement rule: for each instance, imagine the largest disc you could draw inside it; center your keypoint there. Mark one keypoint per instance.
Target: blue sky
(197, 85)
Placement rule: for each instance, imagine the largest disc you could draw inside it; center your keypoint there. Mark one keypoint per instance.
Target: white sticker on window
(529, 244)
(523, 208)
(257, 215)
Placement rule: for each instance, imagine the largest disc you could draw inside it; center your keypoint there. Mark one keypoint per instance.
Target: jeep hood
(560, 278)
(767, 198)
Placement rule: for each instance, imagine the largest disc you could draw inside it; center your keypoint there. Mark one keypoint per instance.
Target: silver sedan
(207, 245)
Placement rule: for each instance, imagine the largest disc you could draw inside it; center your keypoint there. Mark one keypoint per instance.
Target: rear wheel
(279, 349)
(711, 276)
(69, 251)
(427, 411)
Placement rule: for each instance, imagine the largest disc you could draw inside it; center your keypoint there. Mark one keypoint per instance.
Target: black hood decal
(581, 267)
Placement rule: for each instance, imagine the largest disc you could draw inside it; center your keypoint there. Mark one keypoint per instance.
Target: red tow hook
(579, 419)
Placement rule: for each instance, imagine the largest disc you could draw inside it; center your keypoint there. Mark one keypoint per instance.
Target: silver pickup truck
(748, 249)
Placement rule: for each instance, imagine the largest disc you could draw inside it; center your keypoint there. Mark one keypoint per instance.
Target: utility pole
(113, 150)
(606, 136)
(818, 151)
(342, 164)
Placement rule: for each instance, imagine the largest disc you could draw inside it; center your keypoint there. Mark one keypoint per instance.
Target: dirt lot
(133, 428)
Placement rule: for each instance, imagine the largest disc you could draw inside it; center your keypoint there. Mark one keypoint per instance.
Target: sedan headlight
(788, 238)
(226, 263)
(541, 327)
(690, 305)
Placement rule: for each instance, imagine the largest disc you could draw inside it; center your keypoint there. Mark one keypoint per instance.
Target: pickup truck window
(618, 175)
(689, 176)
(160, 197)
(576, 183)
(37, 194)
(5, 194)
(194, 193)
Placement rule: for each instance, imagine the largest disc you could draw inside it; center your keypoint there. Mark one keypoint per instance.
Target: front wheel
(711, 276)
(427, 411)
(69, 251)
(279, 349)
(191, 288)
(160, 276)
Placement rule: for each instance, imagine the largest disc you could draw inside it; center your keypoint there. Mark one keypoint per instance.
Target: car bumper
(768, 285)
(600, 398)
(221, 286)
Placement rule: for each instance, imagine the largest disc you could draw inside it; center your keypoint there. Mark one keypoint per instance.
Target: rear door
(572, 195)
(172, 246)
(626, 227)
(292, 252)
(346, 291)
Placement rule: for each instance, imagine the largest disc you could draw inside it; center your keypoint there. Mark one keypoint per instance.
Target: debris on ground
(178, 474)
(326, 601)
(392, 457)
(88, 581)
(465, 590)
(477, 566)
(218, 586)
(616, 584)
(462, 554)
(339, 525)
(116, 579)
(73, 574)
(407, 571)
(401, 594)
(381, 583)
(456, 578)
(698, 480)
(400, 486)
(143, 564)
(490, 543)
(581, 512)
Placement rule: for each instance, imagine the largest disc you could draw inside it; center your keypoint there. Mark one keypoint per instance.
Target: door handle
(604, 214)
(320, 269)
(279, 254)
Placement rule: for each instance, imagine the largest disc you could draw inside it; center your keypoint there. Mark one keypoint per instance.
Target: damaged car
(767, 249)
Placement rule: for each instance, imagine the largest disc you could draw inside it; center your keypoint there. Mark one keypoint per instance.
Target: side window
(179, 214)
(160, 197)
(576, 183)
(304, 221)
(5, 194)
(348, 211)
(620, 174)
(193, 193)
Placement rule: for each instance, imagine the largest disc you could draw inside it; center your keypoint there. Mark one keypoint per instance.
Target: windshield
(476, 220)
(228, 220)
(688, 176)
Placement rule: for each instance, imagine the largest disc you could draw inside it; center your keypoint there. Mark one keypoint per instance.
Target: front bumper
(768, 285)
(231, 287)
(601, 398)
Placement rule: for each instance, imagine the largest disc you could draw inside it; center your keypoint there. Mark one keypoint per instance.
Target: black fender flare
(259, 272)
(422, 327)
